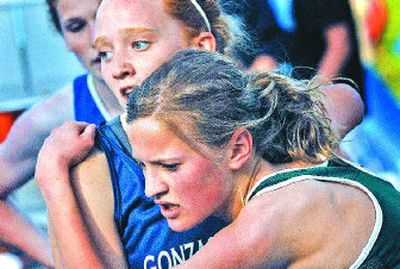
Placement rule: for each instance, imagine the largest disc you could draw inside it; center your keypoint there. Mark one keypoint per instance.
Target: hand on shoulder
(66, 146)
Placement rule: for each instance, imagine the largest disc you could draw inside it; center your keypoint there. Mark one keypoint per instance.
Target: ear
(205, 41)
(240, 149)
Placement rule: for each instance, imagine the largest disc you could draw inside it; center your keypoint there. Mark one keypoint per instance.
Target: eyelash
(75, 26)
(140, 41)
(103, 55)
(171, 167)
(142, 165)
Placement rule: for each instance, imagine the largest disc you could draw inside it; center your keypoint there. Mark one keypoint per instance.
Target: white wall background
(33, 59)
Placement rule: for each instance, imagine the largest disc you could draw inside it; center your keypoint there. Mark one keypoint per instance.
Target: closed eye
(173, 167)
(75, 25)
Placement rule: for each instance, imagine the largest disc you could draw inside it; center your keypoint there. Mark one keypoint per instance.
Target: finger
(89, 131)
(78, 126)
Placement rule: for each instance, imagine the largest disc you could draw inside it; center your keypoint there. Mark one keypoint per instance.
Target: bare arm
(252, 240)
(344, 107)
(80, 204)
(20, 232)
(337, 50)
(18, 155)
(19, 151)
(300, 226)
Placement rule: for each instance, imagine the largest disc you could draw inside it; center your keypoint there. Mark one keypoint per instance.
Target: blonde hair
(205, 98)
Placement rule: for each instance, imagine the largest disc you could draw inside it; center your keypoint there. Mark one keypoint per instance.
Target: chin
(179, 226)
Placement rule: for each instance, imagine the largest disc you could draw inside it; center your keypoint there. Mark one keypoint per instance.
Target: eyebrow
(101, 40)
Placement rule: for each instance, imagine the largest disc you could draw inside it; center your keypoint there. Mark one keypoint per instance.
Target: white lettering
(149, 258)
(190, 246)
(160, 257)
(201, 243)
(171, 257)
(175, 256)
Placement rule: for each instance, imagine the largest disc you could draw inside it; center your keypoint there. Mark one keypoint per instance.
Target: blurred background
(32, 57)
(33, 54)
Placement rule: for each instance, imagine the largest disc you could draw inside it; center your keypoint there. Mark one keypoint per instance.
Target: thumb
(89, 131)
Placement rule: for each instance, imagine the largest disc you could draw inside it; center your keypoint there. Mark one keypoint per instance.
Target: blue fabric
(375, 144)
(84, 106)
(147, 240)
(283, 13)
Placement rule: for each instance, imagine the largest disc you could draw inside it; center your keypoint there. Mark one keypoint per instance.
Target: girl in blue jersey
(87, 99)
(133, 38)
(256, 151)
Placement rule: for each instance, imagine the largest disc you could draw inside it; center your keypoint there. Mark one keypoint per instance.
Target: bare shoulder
(40, 119)
(19, 151)
(286, 226)
(300, 217)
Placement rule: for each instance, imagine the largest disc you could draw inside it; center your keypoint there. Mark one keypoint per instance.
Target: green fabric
(386, 250)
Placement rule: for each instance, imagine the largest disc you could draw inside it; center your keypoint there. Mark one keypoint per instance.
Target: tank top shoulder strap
(116, 127)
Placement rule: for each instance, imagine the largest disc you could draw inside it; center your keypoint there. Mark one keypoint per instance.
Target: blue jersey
(147, 240)
(85, 106)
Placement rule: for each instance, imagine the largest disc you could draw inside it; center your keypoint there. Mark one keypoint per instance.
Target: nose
(123, 70)
(155, 187)
(122, 67)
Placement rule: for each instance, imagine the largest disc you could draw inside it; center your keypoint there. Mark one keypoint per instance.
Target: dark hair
(205, 98)
(51, 6)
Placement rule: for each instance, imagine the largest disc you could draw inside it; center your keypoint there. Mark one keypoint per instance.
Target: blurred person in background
(87, 99)
(311, 36)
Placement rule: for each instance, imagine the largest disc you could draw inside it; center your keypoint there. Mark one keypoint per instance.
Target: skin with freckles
(133, 46)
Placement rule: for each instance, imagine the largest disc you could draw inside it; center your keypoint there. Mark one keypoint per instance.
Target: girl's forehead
(133, 10)
(114, 15)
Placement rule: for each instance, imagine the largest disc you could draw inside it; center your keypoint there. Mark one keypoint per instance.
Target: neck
(255, 171)
(243, 179)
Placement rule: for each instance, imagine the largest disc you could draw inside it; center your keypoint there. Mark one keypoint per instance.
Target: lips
(169, 210)
(126, 90)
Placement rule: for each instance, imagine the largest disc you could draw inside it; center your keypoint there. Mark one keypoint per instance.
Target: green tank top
(383, 248)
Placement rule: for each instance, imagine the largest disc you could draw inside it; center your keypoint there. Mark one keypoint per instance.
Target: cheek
(143, 71)
(77, 45)
(106, 73)
(204, 187)
(160, 54)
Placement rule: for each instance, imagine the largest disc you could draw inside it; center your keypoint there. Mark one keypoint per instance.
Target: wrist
(53, 180)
